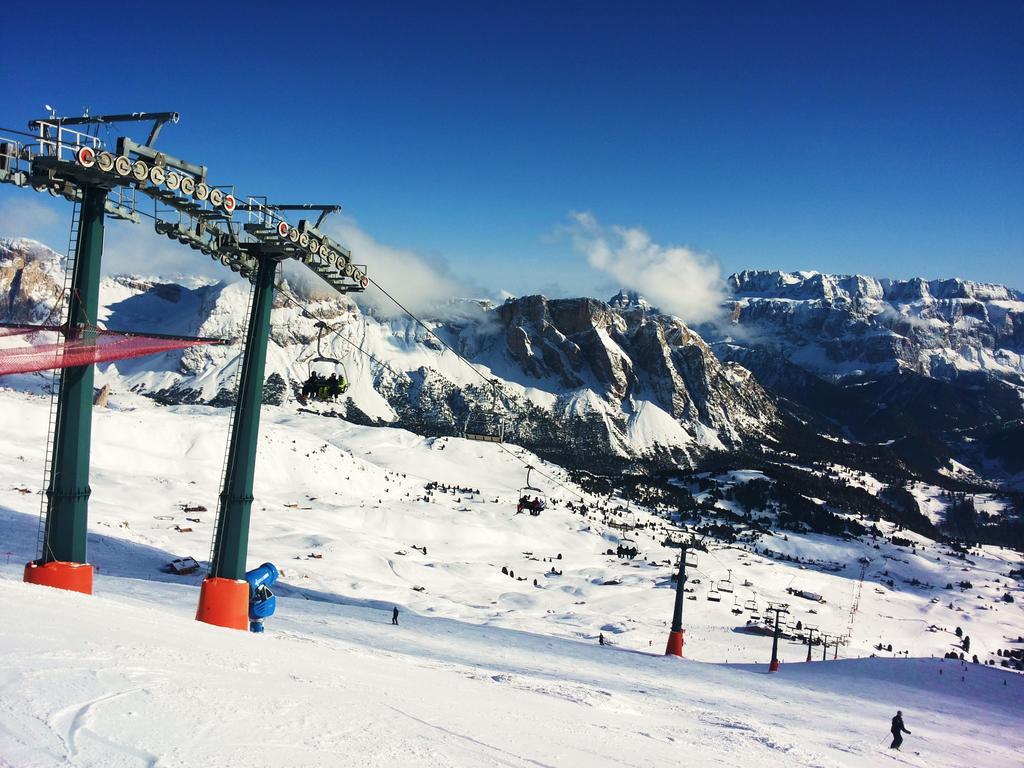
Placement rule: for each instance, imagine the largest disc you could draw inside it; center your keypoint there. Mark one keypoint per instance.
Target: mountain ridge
(604, 385)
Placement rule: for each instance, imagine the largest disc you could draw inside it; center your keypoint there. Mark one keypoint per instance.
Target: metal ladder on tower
(60, 311)
(231, 423)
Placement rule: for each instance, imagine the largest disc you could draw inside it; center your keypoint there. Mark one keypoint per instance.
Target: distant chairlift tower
(778, 609)
(687, 557)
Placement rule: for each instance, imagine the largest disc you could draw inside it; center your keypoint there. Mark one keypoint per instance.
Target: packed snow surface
(484, 668)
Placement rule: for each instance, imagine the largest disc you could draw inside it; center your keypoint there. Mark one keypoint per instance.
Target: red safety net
(97, 346)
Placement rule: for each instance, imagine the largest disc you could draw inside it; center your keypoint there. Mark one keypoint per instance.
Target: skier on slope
(898, 730)
(394, 616)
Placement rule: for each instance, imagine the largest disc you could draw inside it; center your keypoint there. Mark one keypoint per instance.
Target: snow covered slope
(343, 509)
(485, 668)
(128, 678)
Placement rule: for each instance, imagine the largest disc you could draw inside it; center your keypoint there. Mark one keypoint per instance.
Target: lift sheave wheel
(140, 170)
(105, 162)
(86, 157)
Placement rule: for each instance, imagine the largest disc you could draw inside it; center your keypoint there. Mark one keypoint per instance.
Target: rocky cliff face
(31, 278)
(651, 379)
(578, 380)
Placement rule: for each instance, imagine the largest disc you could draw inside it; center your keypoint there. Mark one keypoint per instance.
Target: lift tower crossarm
(126, 145)
(159, 120)
(325, 210)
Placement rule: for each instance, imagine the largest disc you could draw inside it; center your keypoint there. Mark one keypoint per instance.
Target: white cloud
(127, 248)
(676, 279)
(138, 250)
(421, 286)
(35, 218)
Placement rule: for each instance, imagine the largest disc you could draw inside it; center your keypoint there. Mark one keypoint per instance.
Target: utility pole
(779, 609)
(675, 637)
(810, 639)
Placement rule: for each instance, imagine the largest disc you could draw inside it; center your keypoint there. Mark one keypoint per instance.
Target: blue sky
(883, 138)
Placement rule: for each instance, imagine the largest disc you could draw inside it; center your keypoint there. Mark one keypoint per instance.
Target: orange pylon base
(76, 577)
(774, 666)
(225, 603)
(675, 644)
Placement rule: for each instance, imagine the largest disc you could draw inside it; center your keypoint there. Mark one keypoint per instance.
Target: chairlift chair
(324, 366)
(489, 427)
(713, 594)
(725, 585)
(539, 501)
(737, 609)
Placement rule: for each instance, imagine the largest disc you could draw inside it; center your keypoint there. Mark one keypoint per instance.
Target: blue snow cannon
(262, 602)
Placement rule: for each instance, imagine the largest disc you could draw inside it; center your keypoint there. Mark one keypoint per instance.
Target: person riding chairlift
(534, 505)
(324, 389)
(311, 385)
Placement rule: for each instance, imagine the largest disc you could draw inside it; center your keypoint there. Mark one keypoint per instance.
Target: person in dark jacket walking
(898, 730)
(394, 617)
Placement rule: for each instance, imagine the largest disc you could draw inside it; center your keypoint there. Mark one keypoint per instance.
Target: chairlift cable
(305, 309)
(473, 368)
(336, 332)
(427, 328)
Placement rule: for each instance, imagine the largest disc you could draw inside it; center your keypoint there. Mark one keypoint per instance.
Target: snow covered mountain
(843, 325)
(31, 280)
(582, 380)
(933, 368)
